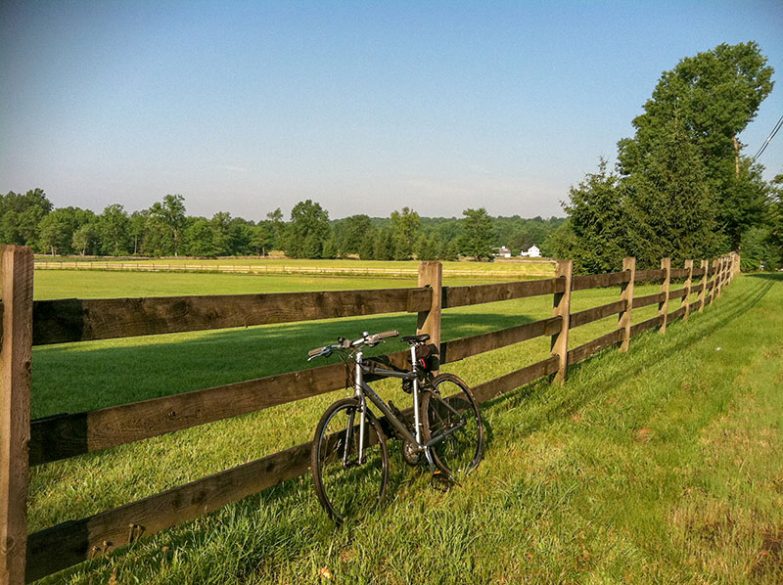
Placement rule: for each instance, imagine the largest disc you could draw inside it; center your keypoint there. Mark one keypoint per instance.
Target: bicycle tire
(462, 450)
(347, 491)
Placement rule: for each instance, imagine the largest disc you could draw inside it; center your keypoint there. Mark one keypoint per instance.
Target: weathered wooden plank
(645, 325)
(679, 273)
(63, 545)
(458, 349)
(688, 287)
(698, 272)
(60, 437)
(429, 320)
(663, 306)
(584, 351)
(677, 314)
(705, 267)
(457, 296)
(648, 300)
(599, 280)
(85, 319)
(680, 293)
(596, 313)
(508, 382)
(562, 308)
(16, 291)
(627, 294)
(649, 276)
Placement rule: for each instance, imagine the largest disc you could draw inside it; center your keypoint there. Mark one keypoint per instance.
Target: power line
(769, 138)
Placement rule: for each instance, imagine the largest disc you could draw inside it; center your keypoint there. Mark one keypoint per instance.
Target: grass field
(516, 267)
(661, 465)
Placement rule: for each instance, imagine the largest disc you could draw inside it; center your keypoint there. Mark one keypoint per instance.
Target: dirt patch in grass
(768, 565)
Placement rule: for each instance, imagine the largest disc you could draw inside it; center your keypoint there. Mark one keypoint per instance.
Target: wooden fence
(23, 443)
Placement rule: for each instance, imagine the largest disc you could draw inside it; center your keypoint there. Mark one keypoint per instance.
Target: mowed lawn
(661, 465)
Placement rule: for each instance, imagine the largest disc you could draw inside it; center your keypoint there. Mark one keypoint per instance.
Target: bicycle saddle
(411, 339)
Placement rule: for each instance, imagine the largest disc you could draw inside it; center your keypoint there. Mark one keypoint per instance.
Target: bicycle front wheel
(452, 420)
(347, 486)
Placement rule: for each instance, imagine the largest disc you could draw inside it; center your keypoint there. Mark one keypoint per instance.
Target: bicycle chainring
(411, 453)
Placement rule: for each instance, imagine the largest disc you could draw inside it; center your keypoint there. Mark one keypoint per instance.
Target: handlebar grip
(386, 334)
(315, 352)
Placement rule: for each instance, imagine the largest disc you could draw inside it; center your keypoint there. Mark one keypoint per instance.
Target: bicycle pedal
(441, 481)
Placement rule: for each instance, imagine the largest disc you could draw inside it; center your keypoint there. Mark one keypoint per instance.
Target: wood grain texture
(458, 349)
(646, 300)
(688, 288)
(458, 296)
(429, 320)
(646, 325)
(596, 313)
(87, 319)
(650, 275)
(16, 291)
(583, 282)
(674, 315)
(678, 294)
(705, 267)
(627, 295)
(663, 306)
(584, 351)
(562, 308)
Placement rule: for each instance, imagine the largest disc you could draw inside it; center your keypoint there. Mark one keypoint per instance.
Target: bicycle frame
(362, 391)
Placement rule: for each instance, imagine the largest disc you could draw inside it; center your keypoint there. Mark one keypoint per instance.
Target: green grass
(661, 465)
(518, 267)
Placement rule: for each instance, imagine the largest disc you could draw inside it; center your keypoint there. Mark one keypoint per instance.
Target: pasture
(621, 474)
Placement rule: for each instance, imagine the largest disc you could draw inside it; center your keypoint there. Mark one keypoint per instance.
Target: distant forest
(165, 229)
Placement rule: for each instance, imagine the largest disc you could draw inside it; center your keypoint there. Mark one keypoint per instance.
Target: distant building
(532, 252)
(503, 252)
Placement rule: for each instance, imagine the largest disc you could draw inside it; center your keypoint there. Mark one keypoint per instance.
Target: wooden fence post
(562, 308)
(663, 307)
(431, 275)
(16, 281)
(705, 266)
(686, 300)
(721, 274)
(713, 290)
(626, 294)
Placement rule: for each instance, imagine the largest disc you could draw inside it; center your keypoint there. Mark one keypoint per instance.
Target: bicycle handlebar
(342, 343)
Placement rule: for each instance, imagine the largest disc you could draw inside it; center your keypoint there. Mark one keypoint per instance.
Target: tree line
(682, 186)
(165, 229)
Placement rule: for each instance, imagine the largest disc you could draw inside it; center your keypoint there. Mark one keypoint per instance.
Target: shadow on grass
(774, 276)
(161, 368)
(621, 365)
(296, 499)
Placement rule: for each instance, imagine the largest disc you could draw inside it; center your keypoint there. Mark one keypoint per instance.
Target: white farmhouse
(532, 252)
(503, 252)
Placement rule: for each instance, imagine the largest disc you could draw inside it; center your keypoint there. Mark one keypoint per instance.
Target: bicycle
(350, 461)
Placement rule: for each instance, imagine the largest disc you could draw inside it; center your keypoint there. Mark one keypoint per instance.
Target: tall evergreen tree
(714, 95)
(477, 239)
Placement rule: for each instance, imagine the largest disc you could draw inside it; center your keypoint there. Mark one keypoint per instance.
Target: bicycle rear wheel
(450, 411)
(347, 487)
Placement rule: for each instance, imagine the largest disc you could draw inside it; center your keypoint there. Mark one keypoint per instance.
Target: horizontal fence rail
(68, 435)
(83, 320)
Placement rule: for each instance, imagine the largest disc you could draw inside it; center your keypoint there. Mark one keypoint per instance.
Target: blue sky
(362, 106)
